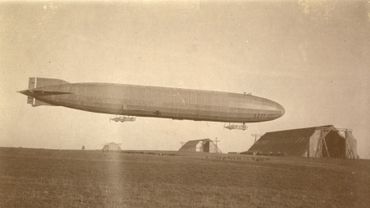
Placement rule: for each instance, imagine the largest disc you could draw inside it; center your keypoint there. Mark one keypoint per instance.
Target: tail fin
(35, 82)
(41, 82)
(34, 102)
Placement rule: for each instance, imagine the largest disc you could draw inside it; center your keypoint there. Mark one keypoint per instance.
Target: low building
(316, 142)
(200, 145)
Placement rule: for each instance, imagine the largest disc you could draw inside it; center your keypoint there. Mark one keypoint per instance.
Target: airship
(152, 101)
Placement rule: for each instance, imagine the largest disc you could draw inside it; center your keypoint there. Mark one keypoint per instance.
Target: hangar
(111, 147)
(200, 145)
(312, 142)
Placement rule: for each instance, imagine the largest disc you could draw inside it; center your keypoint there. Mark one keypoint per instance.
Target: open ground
(76, 178)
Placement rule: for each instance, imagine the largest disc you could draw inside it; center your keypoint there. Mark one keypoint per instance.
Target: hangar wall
(313, 142)
(201, 145)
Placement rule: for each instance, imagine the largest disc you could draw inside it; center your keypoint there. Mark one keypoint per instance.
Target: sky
(310, 56)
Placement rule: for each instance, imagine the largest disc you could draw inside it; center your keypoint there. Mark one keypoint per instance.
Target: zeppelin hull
(159, 102)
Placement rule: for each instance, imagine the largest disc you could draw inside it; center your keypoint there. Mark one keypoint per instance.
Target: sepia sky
(313, 57)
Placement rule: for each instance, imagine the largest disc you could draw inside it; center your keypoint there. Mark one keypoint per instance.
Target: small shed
(200, 145)
(316, 142)
(111, 147)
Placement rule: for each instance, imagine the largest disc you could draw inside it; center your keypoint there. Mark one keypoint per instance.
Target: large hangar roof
(290, 142)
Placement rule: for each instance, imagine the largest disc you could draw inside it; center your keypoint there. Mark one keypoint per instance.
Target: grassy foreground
(67, 178)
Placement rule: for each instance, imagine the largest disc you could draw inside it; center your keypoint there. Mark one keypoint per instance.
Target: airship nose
(280, 109)
(276, 109)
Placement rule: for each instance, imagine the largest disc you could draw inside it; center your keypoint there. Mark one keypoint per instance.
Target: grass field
(67, 178)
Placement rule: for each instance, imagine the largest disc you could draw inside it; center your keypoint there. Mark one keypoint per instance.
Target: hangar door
(336, 146)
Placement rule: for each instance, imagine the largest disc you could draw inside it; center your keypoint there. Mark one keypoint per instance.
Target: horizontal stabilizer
(34, 93)
(31, 94)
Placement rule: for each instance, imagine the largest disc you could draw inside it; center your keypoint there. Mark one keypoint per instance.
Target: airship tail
(34, 102)
(36, 82)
